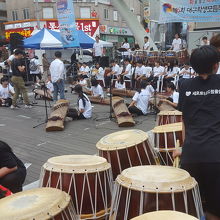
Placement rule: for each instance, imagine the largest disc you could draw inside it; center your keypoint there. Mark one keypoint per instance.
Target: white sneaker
(28, 106)
(14, 107)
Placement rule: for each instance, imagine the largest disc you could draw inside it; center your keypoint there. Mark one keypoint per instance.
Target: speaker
(16, 41)
(104, 61)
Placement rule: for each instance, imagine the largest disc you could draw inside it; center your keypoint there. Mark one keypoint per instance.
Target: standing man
(177, 43)
(146, 43)
(199, 102)
(97, 50)
(18, 70)
(57, 70)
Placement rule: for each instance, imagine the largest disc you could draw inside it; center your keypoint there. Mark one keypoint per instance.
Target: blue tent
(48, 39)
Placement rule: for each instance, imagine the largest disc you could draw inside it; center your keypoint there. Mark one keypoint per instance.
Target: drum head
(168, 128)
(161, 179)
(169, 113)
(162, 215)
(77, 164)
(121, 140)
(41, 203)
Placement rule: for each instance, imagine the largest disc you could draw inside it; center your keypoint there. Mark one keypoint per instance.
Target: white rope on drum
(90, 194)
(145, 150)
(127, 204)
(138, 155)
(129, 159)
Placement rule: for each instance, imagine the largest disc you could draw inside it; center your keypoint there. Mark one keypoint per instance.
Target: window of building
(85, 12)
(48, 13)
(115, 15)
(106, 15)
(15, 15)
(26, 13)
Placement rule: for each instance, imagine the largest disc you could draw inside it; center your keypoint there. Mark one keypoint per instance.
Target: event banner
(66, 18)
(189, 11)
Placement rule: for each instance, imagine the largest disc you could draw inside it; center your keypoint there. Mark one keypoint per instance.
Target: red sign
(88, 26)
(26, 32)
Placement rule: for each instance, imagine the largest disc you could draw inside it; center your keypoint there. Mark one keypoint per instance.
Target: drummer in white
(177, 43)
(146, 43)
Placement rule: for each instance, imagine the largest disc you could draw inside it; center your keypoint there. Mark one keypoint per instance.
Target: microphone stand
(110, 91)
(45, 105)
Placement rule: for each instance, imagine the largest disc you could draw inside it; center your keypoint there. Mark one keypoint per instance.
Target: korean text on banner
(190, 11)
(66, 18)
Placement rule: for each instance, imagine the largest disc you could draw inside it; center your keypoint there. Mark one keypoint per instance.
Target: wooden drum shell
(140, 154)
(77, 197)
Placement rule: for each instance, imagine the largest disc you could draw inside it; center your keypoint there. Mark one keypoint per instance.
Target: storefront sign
(117, 31)
(90, 26)
(26, 32)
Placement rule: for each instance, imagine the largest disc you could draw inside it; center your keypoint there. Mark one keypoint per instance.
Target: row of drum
(165, 56)
(122, 184)
(88, 192)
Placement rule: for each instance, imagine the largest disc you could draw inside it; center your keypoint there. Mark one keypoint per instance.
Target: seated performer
(84, 70)
(139, 104)
(49, 84)
(171, 70)
(82, 81)
(158, 72)
(140, 71)
(73, 83)
(173, 98)
(6, 92)
(12, 170)
(100, 72)
(84, 110)
(96, 89)
(186, 73)
(116, 70)
(127, 73)
(120, 83)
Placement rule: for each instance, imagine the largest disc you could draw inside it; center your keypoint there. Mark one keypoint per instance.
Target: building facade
(3, 17)
(92, 16)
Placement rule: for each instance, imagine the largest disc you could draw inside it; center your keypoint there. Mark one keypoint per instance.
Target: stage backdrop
(190, 11)
(66, 18)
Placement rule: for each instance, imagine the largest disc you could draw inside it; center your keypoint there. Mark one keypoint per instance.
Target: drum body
(122, 114)
(153, 56)
(182, 56)
(170, 56)
(146, 189)
(126, 149)
(87, 179)
(163, 215)
(40, 203)
(165, 139)
(139, 55)
(57, 116)
(169, 117)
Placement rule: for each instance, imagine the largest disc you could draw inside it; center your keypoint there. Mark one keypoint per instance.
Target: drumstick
(177, 159)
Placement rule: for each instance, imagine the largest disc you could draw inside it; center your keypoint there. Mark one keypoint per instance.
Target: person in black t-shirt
(12, 170)
(17, 78)
(199, 102)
